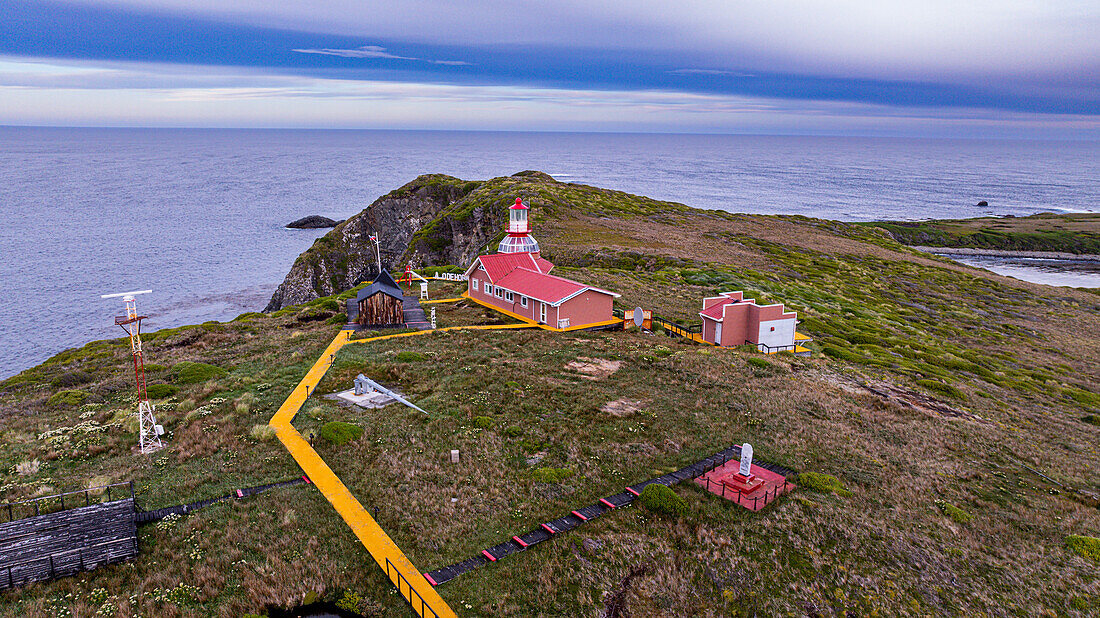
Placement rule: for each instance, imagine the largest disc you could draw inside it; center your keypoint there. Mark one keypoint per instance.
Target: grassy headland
(934, 391)
(1064, 233)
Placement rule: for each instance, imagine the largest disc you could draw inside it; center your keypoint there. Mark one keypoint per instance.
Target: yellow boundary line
(530, 322)
(442, 300)
(370, 534)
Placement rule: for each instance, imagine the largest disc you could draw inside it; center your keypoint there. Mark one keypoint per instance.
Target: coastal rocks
(312, 222)
(982, 203)
(435, 219)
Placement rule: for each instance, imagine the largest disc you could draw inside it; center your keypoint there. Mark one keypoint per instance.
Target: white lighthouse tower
(519, 238)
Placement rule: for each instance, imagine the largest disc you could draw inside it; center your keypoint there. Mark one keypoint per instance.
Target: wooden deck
(67, 542)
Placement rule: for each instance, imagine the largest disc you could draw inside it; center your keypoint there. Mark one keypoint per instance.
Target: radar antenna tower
(149, 432)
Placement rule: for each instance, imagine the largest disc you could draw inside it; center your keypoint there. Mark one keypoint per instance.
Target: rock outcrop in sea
(312, 222)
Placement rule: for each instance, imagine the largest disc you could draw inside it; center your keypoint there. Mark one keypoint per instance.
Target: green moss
(161, 391)
(68, 398)
(941, 388)
(187, 372)
(841, 353)
(408, 356)
(1091, 419)
(339, 318)
(550, 475)
(956, 514)
(1087, 546)
(340, 433)
(823, 483)
(483, 422)
(663, 501)
(513, 431)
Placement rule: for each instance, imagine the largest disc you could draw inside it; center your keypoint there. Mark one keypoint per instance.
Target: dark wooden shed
(381, 303)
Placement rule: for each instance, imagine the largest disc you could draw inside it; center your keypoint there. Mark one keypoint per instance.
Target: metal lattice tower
(149, 431)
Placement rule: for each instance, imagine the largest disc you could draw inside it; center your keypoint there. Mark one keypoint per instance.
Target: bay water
(198, 215)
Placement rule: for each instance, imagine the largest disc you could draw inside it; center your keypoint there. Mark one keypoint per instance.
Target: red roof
(717, 310)
(498, 265)
(547, 288)
(518, 205)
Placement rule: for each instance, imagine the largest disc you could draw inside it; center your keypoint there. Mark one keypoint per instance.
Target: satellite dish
(638, 317)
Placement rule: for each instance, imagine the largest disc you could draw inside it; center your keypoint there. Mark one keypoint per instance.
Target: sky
(1011, 68)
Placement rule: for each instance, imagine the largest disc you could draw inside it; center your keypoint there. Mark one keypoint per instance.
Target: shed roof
(384, 284)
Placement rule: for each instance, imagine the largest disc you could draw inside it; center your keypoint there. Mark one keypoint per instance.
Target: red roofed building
(517, 281)
(729, 320)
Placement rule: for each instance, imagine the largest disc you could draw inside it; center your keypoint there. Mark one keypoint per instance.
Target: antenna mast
(149, 431)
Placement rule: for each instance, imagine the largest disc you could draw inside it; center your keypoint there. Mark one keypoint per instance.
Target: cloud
(711, 72)
(374, 51)
(139, 94)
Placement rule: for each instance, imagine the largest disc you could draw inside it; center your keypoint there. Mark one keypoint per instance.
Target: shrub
(824, 483)
(160, 391)
(71, 378)
(187, 372)
(1091, 419)
(1087, 546)
(186, 406)
(263, 433)
(340, 433)
(339, 318)
(67, 398)
(483, 422)
(941, 388)
(329, 304)
(153, 367)
(956, 514)
(663, 501)
(406, 356)
(550, 475)
(759, 363)
(513, 431)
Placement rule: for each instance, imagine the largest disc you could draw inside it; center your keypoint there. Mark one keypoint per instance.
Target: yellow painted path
(423, 598)
(441, 300)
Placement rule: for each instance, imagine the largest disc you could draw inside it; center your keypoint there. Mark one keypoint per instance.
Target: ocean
(198, 215)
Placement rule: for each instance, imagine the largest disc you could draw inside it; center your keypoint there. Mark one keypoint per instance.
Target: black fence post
(51, 568)
(132, 492)
(62, 502)
(87, 499)
(108, 493)
(36, 513)
(10, 516)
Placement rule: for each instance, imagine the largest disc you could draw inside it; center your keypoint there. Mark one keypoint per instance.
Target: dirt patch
(621, 407)
(593, 368)
(901, 396)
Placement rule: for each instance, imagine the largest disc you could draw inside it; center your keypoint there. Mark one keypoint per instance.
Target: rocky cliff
(435, 219)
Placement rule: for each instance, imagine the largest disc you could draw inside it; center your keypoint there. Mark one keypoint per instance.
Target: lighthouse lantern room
(519, 238)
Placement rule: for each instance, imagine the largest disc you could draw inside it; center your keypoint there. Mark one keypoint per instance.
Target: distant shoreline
(1044, 255)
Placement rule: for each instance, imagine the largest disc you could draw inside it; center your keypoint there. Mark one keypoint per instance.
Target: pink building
(730, 320)
(517, 281)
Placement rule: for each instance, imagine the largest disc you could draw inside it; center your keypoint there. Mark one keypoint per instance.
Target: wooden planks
(67, 542)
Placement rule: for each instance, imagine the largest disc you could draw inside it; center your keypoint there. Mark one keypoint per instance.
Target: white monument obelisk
(746, 460)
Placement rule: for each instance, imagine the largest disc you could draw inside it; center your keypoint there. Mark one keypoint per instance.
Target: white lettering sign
(746, 460)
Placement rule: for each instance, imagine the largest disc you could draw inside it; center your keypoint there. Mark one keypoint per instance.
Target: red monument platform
(753, 492)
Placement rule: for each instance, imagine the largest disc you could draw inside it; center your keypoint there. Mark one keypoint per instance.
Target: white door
(718, 333)
(542, 313)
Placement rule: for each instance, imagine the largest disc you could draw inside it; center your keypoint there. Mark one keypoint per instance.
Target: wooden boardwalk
(409, 581)
(67, 542)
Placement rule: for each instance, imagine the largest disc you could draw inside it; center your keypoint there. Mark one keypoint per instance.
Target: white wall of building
(783, 335)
